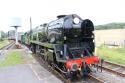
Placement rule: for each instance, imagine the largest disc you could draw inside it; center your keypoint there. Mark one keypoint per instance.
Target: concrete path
(31, 72)
(26, 74)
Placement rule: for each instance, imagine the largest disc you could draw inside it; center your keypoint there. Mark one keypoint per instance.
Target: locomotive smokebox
(87, 24)
(87, 27)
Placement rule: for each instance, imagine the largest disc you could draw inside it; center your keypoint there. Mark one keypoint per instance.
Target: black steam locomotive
(67, 44)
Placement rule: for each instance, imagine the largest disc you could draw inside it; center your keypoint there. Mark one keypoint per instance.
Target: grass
(3, 43)
(116, 55)
(12, 59)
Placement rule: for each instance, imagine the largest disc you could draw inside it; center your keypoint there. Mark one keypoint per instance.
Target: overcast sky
(41, 11)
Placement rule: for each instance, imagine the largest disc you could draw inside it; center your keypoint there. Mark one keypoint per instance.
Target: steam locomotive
(67, 44)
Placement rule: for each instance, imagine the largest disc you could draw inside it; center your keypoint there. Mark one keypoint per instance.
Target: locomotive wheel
(73, 76)
(67, 76)
(47, 59)
(85, 70)
(33, 48)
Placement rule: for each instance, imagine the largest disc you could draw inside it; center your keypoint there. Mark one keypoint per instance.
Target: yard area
(3, 43)
(116, 55)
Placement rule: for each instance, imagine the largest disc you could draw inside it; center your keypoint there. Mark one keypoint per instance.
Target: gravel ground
(109, 77)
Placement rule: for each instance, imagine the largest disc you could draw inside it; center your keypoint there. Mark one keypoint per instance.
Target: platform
(30, 72)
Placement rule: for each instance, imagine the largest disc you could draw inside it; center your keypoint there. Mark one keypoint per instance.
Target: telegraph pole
(30, 27)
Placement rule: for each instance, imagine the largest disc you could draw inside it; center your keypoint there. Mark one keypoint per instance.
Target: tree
(2, 35)
(110, 26)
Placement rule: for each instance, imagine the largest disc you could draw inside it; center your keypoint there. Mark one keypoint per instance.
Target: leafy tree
(110, 26)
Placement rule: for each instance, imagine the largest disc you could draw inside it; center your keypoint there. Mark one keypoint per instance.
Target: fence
(115, 44)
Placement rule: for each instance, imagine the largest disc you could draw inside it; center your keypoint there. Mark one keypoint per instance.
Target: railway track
(7, 47)
(114, 68)
(90, 79)
(99, 80)
(94, 77)
(50, 68)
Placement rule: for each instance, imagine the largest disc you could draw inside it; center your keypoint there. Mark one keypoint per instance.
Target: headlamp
(76, 20)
